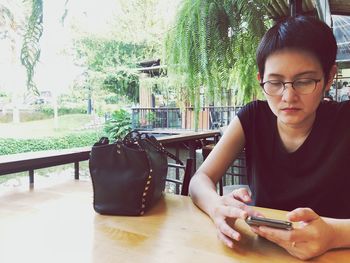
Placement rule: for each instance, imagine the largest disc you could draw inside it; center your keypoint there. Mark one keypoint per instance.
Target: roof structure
(151, 67)
(341, 29)
(336, 13)
(280, 8)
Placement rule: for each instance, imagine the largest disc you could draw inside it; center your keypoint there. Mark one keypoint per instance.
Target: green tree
(137, 35)
(145, 22)
(123, 82)
(111, 64)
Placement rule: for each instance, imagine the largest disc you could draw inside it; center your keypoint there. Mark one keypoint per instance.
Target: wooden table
(189, 137)
(58, 224)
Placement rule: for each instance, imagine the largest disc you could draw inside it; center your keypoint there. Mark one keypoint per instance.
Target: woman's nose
(288, 93)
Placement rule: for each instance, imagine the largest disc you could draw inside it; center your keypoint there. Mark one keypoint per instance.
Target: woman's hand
(312, 238)
(231, 206)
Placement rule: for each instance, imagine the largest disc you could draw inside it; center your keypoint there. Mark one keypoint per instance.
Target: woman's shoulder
(254, 107)
(335, 115)
(254, 113)
(257, 103)
(334, 108)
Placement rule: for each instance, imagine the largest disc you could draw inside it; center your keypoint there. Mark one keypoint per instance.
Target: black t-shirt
(316, 175)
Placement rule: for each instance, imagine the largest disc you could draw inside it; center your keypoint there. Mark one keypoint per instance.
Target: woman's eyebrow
(297, 75)
(306, 73)
(275, 75)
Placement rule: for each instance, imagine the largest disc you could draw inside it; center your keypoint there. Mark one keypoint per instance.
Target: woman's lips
(290, 110)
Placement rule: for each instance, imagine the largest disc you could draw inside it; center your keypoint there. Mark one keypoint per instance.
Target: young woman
(297, 146)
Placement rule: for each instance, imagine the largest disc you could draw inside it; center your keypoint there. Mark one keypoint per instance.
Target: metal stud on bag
(138, 141)
(152, 159)
(148, 182)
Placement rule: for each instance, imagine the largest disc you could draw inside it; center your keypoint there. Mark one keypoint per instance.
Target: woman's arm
(341, 232)
(203, 184)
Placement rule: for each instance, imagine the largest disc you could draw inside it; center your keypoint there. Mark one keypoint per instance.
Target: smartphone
(262, 221)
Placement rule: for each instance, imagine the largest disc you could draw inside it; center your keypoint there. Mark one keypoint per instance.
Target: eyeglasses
(300, 86)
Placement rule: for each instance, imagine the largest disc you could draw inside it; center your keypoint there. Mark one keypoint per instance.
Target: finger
(282, 236)
(231, 201)
(227, 241)
(233, 212)
(302, 214)
(242, 194)
(258, 214)
(274, 235)
(293, 241)
(295, 249)
(228, 231)
(254, 229)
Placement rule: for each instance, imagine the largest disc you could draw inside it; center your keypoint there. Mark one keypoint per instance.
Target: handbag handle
(135, 136)
(159, 147)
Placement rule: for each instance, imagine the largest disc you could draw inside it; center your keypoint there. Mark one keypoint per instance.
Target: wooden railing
(189, 141)
(23, 162)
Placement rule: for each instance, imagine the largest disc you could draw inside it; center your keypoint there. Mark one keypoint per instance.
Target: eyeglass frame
(262, 84)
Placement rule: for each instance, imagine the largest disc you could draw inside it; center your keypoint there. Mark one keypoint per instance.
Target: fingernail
(235, 236)
(254, 229)
(261, 229)
(246, 197)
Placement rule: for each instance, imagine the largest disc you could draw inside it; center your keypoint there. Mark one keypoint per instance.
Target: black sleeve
(246, 117)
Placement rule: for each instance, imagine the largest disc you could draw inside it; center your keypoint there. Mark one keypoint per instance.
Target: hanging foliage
(30, 52)
(213, 45)
(8, 25)
(6, 16)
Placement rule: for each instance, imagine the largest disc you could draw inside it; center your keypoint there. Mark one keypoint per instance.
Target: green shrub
(33, 116)
(12, 146)
(61, 110)
(119, 124)
(24, 116)
(41, 113)
(114, 99)
(5, 118)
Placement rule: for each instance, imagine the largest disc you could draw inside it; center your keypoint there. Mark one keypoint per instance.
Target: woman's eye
(303, 82)
(275, 83)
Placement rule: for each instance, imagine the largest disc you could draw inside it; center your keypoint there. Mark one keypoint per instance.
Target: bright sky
(93, 16)
(56, 70)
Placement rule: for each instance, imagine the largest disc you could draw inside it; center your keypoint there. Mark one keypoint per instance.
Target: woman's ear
(332, 73)
(258, 77)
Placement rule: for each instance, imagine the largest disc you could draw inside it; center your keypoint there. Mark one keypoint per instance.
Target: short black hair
(301, 32)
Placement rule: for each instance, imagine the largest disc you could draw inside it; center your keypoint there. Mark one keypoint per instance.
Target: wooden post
(76, 170)
(31, 178)
(145, 92)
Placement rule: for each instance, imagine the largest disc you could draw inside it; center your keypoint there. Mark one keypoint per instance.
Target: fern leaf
(30, 52)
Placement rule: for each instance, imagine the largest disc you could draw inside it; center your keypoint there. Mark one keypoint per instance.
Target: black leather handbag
(128, 176)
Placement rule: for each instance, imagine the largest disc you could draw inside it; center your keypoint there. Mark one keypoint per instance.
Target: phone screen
(262, 221)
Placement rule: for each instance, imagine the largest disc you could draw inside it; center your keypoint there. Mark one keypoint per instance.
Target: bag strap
(102, 141)
(132, 137)
(160, 148)
(135, 136)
